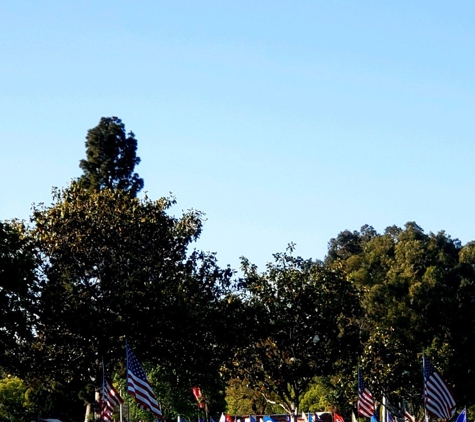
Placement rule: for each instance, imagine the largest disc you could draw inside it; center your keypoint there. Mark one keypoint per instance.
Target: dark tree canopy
(111, 158)
(17, 279)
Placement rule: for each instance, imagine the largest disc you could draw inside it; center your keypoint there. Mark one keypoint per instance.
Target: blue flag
(252, 418)
(463, 416)
(268, 418)
(374, 418)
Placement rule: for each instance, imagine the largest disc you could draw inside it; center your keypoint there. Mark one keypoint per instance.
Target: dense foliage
(303, 325)
(17, 296)
(418, 292)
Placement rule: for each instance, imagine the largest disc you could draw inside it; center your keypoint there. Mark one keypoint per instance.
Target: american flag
(109, 400)
(138, 385)
(438, 399)
(365, 399)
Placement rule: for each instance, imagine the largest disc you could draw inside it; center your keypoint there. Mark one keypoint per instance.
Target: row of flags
(439, 400)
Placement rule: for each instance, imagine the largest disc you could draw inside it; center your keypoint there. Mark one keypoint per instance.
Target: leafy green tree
(17, 282)
(321, 396)
(117, 267)
(417, 293)
(301, 325)
(14, 403)
(111, 158)
(243, 400)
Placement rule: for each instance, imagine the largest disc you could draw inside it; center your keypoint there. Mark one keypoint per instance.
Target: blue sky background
(282, 121)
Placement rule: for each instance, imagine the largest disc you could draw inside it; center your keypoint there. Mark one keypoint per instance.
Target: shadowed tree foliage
(17, 282)
(111, 158)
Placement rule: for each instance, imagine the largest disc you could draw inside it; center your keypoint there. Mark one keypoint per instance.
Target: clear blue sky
(282, 121)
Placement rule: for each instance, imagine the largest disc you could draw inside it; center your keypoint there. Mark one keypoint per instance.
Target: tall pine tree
(111, 158)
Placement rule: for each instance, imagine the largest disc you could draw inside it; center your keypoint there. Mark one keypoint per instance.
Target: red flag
(198, 396)
(229, 418)
(337, 418)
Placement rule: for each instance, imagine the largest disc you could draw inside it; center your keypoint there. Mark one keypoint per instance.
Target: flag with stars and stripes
(438, 399)
(110, 398)
(138, 385)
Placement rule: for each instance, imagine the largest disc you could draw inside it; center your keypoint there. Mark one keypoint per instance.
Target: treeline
(100, 266)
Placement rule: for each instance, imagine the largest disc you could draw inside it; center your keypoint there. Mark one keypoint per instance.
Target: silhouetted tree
(111, 158)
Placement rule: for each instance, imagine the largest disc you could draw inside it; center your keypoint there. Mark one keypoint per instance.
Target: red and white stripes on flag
(110, 398)
(139, 387)
(365, 399)
(438, 399)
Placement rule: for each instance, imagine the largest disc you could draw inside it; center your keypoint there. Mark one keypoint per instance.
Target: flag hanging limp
(365, 398)
(198, 396)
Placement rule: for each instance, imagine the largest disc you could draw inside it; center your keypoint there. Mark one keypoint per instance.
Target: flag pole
(426, 419)
(127, 378)
(120, 407)
(103, 390)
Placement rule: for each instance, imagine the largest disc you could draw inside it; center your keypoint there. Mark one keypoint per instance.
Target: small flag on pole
(198, 397)
(337, 418)
(365, 398)
(438, 399)
(138, 385)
